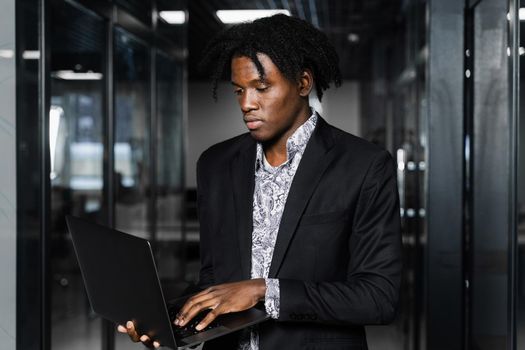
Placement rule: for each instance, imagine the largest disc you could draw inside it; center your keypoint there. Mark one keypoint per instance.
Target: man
(296, 215)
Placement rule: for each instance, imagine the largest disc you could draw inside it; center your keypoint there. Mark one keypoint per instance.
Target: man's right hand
(135, 337)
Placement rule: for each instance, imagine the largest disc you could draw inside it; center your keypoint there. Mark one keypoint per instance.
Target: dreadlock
(292, 44)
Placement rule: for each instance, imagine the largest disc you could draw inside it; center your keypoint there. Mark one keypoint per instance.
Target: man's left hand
(222, 299)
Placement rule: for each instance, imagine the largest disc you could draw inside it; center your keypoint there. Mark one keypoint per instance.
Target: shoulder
(355, 146)
(224, 151)
(371, 161)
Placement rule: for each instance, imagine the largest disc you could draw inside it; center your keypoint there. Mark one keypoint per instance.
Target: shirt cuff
(272, 297)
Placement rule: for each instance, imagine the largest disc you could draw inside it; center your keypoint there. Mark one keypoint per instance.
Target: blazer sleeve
(370, 293)
(206, 277)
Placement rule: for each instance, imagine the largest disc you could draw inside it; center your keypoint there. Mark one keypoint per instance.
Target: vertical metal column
(108, 328)
(468, 167)
(514, 83)
(491, 165)
(45, 212)
(152, 200)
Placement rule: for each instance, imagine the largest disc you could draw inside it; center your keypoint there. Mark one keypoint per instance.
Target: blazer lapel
(316, 158)
(243, 176)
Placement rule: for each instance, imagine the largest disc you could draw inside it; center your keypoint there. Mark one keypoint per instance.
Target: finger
(146, 341)
(130, 327)
(193, 307)
(206, 294)
(156, 344)
(212, 315)
(122, 329)
(196, 309)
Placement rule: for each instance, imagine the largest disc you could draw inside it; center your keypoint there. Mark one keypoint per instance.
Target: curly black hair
(292, 44)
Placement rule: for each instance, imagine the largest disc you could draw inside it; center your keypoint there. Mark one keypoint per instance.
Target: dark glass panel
(132, 129)
(169, 206)
(29, 191)
(76, 154)
(132, 142)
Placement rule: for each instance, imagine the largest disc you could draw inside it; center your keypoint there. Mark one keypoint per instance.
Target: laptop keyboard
(189, 329)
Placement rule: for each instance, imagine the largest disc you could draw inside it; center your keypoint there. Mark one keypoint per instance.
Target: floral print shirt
(272, 185)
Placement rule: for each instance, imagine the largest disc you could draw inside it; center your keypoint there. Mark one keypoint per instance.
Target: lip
(253, 124)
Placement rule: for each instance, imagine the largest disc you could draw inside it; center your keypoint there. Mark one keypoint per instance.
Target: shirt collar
(295, 143)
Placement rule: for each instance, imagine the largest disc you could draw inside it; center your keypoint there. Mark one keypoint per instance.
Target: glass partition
(170, 238)
(76, 154)
(132, 135)
(82, 75)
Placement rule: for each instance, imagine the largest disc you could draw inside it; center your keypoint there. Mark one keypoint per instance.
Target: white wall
(341, 107)
(7, 177)
(210, 122)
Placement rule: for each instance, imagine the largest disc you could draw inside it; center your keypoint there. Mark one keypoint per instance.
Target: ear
(305, 82)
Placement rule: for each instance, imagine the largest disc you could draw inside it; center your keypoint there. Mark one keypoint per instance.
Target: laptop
(122, 284)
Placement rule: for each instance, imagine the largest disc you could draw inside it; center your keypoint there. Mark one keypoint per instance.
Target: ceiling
(368, 19)
(77, 33)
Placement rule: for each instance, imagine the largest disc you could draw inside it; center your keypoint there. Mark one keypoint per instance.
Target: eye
(262, 88)
(237, 92)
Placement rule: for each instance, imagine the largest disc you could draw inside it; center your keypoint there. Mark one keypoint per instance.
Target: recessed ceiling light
(522, 14)
(173, 17)
(238, 16)
(72, 75)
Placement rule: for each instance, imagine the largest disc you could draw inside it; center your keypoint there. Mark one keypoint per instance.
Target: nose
(248, 101)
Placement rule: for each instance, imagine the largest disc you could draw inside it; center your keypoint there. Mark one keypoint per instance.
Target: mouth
(253, 124)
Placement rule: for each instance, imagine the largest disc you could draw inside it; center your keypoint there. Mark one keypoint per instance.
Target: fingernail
(144, 338)
(121, 328)
(129, 324)
(156, 344)
(199, 327)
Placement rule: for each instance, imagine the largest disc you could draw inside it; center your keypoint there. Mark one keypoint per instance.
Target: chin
(259, 135)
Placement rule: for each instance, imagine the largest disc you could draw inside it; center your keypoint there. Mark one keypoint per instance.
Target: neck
(276, 152)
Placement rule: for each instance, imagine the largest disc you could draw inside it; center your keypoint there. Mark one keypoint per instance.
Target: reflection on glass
(169, 205)
(132, 127)
(76, 155)
(131, 148)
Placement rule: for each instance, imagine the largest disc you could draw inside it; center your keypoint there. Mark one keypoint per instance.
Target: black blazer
(338, 250)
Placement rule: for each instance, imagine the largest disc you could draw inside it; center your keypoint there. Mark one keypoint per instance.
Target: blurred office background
(103, 114)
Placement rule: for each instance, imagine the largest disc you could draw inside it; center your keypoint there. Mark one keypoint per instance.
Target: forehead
(243, 68)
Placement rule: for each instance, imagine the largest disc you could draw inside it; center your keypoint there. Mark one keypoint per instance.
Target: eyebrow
(262, 81)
